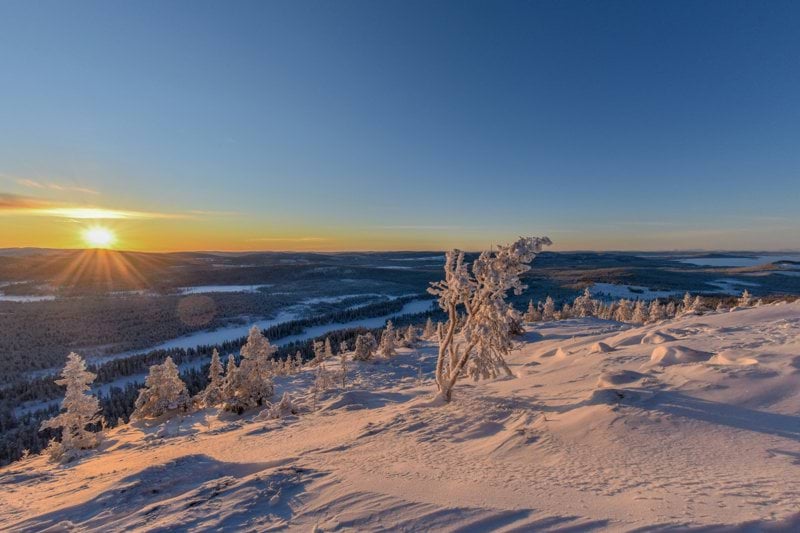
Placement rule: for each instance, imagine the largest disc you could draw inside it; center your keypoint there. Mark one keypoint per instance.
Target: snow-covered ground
(693, 422)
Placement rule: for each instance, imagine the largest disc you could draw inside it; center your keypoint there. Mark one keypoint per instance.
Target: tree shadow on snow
(679, 404)
(194, 491)
(791, 523)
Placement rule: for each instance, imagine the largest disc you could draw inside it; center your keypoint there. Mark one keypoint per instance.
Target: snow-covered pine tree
(624, 311)
(531, 312)
(430, 330)
(687, 302)
(745, 300)
(388, 343)
(79, 411)
(322, 382)
(230, 384)
(549, 309)
(212, 394)
(343, 347)
(410, 338)
(319, 352)
(484, 338)
(365, 347)
(639, 315)
(697, 305)
(255, 380)
(566, 312)
(328, 348)
(584, 305)
(671, 310)
(298, 361)
(164, 392)
(656, 312)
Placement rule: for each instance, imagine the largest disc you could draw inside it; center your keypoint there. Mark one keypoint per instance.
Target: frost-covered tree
(343, 347)
(584, 305)
(549, 309)
(365, 347)
(164, 391)
(388, 345)
(624, 311)
(298, 361)
(328, 348)
(566, 312)
(430, 330)
(319, 352)
(687, 302)
(639, 313)
(655, 312)
(481, 291)
(322, 382)
(745, 300)
(531, 314)
(671, 310)
(79, 410)
(697, 305)
(231, 382)
(255, 372)
(212, 394)
(410, 337)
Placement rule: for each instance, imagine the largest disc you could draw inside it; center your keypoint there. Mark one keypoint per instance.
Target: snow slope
(690, 423)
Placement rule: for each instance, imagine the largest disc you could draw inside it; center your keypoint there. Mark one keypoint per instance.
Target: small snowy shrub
(485, 335)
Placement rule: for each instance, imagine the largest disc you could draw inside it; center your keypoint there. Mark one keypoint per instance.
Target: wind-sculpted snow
(707, 438)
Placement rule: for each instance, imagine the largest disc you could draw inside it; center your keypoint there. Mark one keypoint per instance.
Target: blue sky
(361, 125)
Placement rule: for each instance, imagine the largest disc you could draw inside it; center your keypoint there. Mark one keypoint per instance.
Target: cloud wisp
(33, 184)
(15, 204)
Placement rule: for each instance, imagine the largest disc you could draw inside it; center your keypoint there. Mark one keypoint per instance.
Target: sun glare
(98, 237)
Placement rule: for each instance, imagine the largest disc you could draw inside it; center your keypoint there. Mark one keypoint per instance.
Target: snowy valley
(690, 422)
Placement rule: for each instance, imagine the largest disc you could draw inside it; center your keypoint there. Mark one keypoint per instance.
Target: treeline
(37, 335)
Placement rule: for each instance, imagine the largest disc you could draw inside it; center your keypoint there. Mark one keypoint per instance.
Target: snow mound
(734, 357)
(629, 340)
(613, 378)
(657, 337)
(612, 396)
(600, 347)
(363, 399)
(677, 355)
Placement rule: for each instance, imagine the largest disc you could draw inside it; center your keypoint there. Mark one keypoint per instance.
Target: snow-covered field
(687, 423)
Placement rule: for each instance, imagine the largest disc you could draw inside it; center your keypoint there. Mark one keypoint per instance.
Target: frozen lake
(26, 298)
(204, 289)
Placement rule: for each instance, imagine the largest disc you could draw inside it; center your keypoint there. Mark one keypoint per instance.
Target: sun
(99, 237)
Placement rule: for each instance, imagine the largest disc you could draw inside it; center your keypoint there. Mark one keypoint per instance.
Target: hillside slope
(690, 422)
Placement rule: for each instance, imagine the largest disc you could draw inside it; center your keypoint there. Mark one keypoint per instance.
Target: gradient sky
(401, 125)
